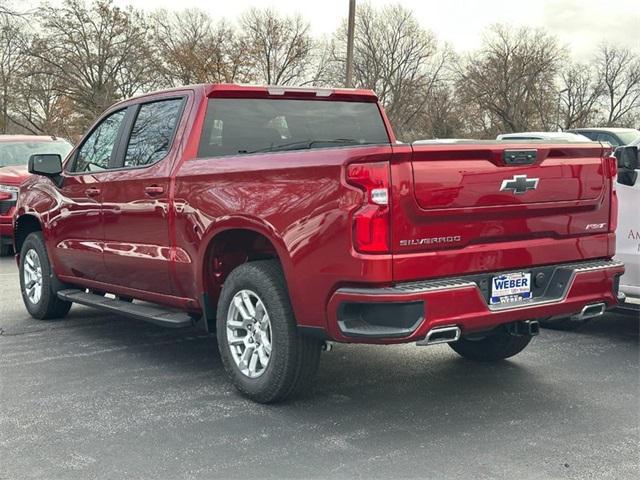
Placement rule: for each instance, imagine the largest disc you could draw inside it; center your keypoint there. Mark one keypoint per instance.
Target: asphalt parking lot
(98, 396)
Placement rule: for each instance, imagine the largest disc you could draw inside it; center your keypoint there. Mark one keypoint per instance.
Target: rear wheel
(36, 281)
(261, 349)
(496, 345)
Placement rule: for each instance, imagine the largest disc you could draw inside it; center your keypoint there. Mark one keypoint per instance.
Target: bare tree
(397, 59)
(578, 96)
(192, 49)
(278, 49)
(98, 53)
(39, 107)
(511, 79)
(7, 10)
(619, 70)
(12, 59)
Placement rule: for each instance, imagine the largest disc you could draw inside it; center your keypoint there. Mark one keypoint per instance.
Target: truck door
(76, 230)
(136, 198)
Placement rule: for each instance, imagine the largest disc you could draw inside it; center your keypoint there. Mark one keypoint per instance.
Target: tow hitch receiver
(529, 328)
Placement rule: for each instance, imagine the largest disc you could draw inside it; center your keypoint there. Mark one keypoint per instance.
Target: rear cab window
(152, 132)
(245, 126)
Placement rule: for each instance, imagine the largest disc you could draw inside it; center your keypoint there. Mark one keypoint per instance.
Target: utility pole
(558, 126)
(350, 32)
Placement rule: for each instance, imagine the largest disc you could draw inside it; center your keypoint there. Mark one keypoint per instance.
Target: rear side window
(95, 153)
(152, 132)
(607, 137)
(590, 135)
(241, 126)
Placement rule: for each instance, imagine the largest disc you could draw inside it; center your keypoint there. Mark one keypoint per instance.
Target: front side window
(240, 126)
(152, 132)
(96, 151)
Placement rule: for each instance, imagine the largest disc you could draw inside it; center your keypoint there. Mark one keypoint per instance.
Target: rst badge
(595, 226)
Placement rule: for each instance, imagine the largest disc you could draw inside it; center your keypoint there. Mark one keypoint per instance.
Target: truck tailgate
(466, 208)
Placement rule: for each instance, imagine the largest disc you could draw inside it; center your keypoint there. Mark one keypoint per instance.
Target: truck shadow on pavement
(397, 379)
(400, 383)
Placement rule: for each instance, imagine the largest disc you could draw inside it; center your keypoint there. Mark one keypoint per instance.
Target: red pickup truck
(284, 218)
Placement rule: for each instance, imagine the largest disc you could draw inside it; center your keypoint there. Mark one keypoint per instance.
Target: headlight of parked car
(8, 192)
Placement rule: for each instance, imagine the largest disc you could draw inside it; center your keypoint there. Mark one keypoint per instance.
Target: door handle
(92, 192)
(153, 190)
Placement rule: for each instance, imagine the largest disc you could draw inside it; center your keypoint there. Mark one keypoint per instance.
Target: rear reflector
(611, 170)
(371, 223)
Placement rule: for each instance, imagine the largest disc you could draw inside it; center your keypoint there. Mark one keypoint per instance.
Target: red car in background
(15, 151)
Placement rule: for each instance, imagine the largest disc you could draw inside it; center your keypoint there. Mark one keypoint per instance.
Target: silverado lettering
(280, 219)
(428, 241)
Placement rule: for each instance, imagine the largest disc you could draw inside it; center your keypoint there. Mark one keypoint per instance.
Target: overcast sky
(580, 24)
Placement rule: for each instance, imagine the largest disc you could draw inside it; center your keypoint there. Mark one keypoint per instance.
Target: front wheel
(261, 349)
(36, 281)
(5, 249)
(496, 345)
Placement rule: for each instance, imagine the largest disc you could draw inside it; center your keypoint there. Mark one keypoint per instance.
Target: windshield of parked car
(241, 126)
(18, 153)
(628, 137)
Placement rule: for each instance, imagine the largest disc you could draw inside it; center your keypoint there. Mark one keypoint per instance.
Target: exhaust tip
(591, 311)
(440, 335)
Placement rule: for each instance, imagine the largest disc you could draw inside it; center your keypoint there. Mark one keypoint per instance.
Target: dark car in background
(615, 136)
(15, 151)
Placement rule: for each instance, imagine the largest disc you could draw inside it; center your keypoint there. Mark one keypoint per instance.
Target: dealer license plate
(510, 288)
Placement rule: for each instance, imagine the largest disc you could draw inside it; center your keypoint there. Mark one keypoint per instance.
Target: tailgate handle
(519, 157)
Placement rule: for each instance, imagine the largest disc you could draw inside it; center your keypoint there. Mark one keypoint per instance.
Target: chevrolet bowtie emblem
(519, 184)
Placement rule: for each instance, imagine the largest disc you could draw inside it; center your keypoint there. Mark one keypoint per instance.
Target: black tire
(48, 305)
(497, 345)
(294, 358)
(6, 250)
(564, 324)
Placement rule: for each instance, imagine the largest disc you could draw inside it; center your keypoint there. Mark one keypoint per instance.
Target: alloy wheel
(249, 333)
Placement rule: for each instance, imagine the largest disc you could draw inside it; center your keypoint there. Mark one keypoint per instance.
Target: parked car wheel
(5, 250)
(261, 349)
(36, 281)
(496, 345)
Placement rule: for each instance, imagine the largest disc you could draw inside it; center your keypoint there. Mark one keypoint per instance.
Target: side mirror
(628, 157)
(47, 164)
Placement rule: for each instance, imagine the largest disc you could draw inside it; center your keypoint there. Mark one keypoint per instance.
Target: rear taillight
(613, 212)
(611, 167)
(611, 163)
(371, 223)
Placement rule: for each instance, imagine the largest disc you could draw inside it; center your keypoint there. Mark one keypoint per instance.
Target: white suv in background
(627, 237)
(628, 231)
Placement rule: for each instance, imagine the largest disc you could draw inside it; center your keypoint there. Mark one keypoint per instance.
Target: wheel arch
(235, 242)
(23, 226)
